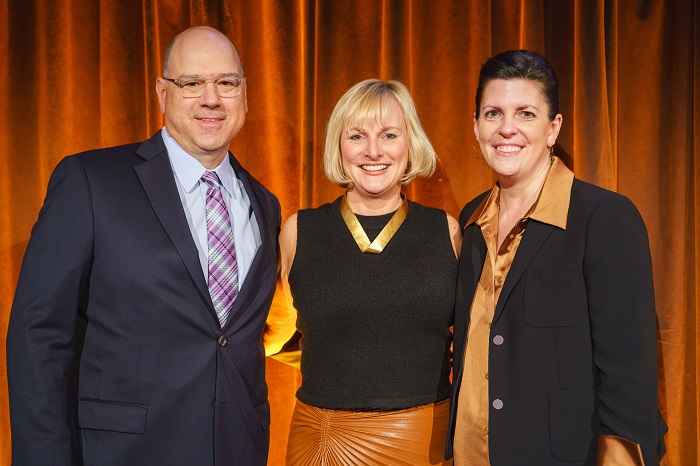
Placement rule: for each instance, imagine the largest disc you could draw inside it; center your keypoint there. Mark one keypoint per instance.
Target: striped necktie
(223, 268)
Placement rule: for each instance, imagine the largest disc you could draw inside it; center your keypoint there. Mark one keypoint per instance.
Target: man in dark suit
(120, 348)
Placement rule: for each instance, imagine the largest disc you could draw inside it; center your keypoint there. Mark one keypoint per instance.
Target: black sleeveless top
(375, 327)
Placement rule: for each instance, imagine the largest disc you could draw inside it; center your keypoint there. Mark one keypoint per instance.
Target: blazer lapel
(477, 256)
(156, 176)
(470, 266)
(534, 237)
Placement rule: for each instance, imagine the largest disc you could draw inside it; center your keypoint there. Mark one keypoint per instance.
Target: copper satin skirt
(328, 437)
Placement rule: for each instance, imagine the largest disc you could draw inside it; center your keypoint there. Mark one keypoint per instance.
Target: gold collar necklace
(383, 237)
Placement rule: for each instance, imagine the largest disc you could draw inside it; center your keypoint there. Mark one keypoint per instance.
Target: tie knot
(211, 179)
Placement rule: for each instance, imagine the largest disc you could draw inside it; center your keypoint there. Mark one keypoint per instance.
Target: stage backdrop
(79, 74)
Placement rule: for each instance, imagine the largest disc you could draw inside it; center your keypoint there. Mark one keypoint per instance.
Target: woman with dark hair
(372, 278)
(555, 325)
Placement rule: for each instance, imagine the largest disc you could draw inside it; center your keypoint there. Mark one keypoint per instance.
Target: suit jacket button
(498, 340)
(497, 404)
(223, 341)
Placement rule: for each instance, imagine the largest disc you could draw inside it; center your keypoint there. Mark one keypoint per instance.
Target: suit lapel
(246, 292)
(156, 177)
(534, 237)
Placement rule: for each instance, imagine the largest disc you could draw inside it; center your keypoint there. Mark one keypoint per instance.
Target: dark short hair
(521, 64)
(168, 50)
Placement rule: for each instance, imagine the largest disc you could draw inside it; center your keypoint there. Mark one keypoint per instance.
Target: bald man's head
(203, 123)
(195, 29)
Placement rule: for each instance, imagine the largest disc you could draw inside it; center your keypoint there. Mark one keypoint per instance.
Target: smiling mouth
(508, 149)
(373, 168)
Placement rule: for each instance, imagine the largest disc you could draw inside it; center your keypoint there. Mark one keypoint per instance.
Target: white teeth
(508, 148)
(373, 168)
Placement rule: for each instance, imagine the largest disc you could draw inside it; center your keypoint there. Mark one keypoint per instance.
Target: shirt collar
(552, 205)
(188, 170)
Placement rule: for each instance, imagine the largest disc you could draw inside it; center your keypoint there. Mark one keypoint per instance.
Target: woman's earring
(480, 158)
(550, 150)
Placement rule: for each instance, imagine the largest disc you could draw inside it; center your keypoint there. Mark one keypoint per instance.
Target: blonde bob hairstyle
(367, 101)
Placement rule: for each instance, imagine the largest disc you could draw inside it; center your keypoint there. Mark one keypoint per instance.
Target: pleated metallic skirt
(328, 437)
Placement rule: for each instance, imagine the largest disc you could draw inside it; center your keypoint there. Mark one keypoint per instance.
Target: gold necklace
(383, 237)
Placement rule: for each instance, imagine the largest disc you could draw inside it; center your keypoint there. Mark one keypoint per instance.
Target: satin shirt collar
(551, 206)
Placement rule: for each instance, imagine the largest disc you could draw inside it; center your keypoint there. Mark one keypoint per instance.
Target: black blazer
(115, 355)
(573, 350)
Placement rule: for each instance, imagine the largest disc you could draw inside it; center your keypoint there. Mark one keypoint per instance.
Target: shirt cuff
(617, 451)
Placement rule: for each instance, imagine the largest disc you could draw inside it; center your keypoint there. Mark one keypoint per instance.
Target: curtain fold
(80, 75)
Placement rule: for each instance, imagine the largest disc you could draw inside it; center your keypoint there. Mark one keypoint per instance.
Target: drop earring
(476, 156)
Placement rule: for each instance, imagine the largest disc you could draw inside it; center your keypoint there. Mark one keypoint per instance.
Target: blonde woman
(372, 278)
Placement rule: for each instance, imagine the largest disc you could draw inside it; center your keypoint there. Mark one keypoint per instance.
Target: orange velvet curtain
(81, 74)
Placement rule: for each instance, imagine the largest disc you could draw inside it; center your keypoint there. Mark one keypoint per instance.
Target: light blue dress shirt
(193, 191)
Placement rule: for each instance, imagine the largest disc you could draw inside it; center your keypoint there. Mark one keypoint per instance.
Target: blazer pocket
(573, 424)
(552, 296)
(128, 418)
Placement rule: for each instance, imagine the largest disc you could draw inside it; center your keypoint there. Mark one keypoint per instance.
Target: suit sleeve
(47, 323)
(620, 291)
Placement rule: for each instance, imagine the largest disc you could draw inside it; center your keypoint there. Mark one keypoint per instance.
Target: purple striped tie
(223, 268)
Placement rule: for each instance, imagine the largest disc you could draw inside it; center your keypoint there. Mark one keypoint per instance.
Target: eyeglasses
(194, 87)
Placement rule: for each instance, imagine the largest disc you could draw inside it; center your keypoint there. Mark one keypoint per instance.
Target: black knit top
(375, 327)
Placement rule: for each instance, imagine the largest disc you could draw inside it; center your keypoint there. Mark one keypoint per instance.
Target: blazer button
(497, 404)
(498, 340)
(223, 341)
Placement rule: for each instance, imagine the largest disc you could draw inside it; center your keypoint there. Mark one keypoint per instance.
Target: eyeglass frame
(178, 81)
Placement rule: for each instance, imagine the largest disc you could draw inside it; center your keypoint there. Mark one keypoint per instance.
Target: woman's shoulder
(431, 212)
(594, 207)
(424, 209)
(471, 206)
(305, 216)
(443, 219)
(320, 211)
(586, 195)
(318, 222)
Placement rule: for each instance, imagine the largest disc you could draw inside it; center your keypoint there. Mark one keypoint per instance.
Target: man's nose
(211, 96)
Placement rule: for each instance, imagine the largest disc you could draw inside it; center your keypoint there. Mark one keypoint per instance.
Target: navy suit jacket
(573, 339)
(115, 355)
